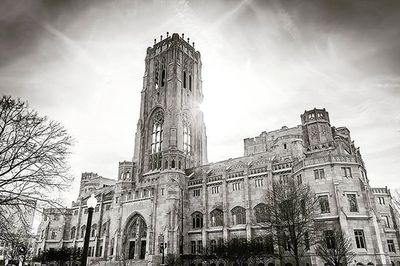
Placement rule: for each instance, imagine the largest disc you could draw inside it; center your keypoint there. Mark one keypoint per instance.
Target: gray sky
(264, 62)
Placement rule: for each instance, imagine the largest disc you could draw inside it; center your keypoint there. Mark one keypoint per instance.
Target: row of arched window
(74, 233)
(238, 215)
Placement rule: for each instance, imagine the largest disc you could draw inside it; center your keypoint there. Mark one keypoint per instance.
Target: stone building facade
(169, 192)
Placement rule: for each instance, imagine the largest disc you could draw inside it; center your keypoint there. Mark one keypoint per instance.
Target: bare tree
(33, 160)
(396, 200)
(291, 209)
(336, 248)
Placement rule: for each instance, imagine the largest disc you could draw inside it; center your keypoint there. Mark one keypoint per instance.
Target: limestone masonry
(169, 188)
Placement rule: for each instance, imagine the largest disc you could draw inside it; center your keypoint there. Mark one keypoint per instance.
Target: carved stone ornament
(186, 119)
(158, 117)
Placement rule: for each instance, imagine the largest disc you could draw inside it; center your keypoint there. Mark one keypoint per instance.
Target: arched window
(238, 215)
(261, 213)
(73, 232)
(217, 217)
(197, 220)
(83, 230)
(94, 227)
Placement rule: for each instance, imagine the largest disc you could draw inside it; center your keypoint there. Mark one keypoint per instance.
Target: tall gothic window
(94, 227)
(187, 134)
(187, 137)
(163, 72)
(197, 220)
(83, 230)
(73, 230)
(238, 215)
(217, 217)
(156, 75)
(156, 134)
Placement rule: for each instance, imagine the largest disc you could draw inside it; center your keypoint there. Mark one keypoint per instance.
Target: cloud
(264, 63)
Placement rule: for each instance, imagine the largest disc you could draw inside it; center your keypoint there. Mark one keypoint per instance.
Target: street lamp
(91, 204)
(181, 231)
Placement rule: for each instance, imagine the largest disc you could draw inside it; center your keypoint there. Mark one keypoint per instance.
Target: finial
(193, 44)
(183, 35)
(160, 37)
(188, 39)
(167, 34)
(155, 41)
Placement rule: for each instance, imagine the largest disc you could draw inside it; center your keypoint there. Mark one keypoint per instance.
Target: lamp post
(181, 231)
(91, 204)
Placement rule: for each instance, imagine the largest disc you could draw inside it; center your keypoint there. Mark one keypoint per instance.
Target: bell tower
(170, 132)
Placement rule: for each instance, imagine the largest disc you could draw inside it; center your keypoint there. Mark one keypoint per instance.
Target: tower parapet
(317, 131)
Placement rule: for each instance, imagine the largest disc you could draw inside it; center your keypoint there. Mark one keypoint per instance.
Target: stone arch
(135, 237)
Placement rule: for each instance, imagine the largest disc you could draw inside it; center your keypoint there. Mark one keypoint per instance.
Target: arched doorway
(135, 238)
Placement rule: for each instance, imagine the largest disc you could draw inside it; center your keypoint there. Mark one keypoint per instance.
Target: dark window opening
(163, 78)
(190, 82)
(184, 79)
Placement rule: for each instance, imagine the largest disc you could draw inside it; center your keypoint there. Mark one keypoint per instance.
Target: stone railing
(325, 159)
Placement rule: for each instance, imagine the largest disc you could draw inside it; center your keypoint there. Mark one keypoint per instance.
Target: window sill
(362, 250)
(237, 227)
(195, 231)
(389, 230)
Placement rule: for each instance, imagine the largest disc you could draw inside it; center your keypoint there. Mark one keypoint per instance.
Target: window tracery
(156, 135)
(217, 217)
(261, 213)
(238, 215)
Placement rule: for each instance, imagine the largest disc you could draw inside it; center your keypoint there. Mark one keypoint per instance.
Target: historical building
(169, 192)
